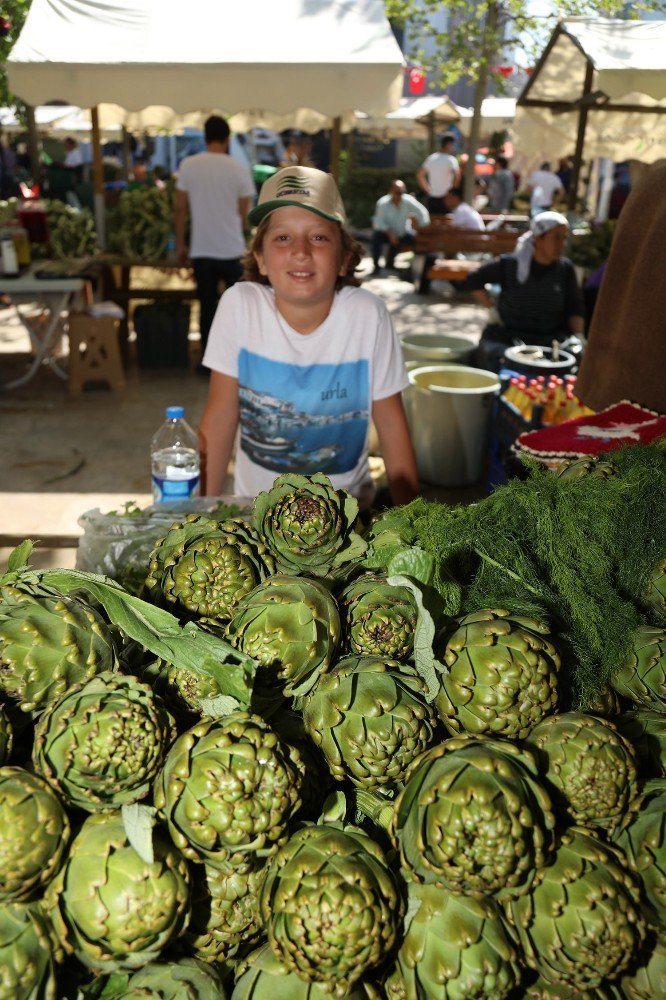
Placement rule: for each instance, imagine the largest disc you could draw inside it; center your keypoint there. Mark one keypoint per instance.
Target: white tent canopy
(410, 118)
(497, 114)
(607, 75)
(329, 55)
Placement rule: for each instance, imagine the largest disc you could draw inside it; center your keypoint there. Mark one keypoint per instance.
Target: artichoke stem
(376, 809)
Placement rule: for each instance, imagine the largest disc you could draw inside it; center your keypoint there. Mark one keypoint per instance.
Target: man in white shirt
(462, 214)
(397, 217)
(217, 191)
(438, 173)
(545, 187)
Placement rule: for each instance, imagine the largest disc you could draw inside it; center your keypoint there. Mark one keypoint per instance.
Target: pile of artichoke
(280, 773)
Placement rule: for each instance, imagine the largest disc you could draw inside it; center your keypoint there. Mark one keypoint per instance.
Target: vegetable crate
(161, 333)
(508, 423)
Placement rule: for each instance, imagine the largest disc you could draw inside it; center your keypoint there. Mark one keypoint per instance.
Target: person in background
(438, 173)
(8, 165)
(397, 216)
(624, 357)
(501, 187)
(545, 187)
(539, 299)
(73, 158)
(302, 359)
(297, 151)
(462, 214)
(564, 172)
(217, 191)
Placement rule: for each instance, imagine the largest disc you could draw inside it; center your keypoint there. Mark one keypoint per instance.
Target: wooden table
(56, 293)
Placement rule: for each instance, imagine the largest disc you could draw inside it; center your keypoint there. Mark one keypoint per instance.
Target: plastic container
(534, 360)
(449, 409)
(435, 349)
(8, 255)
(174, 459)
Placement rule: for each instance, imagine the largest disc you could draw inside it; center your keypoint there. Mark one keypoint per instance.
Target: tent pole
(98, 178)
(580, 139)
(335, 148)
(127, 156)
(33, 144)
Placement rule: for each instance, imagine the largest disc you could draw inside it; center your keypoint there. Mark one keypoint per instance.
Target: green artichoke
(576, 468)
(473, 818)
(378, 618)
(183, 692)
(655, 593)
(6, 738)
(500, 676)
(291, 625)
(604, 703)
(642, 678)
(308, 526)
(543, 990)
(187, 979)
(48, 642)
(589, 765)
(34, 830)
(456, 948)
(646, 731)
(109, 907)
(261, 976)
(27, 968)
(370, 719)
(205, 567)
(642, 838)
(581, 924)
(228, 789)
(225, 912)
(103, 743)
(330, 905)
(648, 981)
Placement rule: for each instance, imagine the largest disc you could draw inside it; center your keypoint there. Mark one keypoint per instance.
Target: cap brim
(259, 212)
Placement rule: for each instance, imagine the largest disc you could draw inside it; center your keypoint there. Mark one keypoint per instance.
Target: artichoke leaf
(157, 630)
(139, 821)
(424, 635)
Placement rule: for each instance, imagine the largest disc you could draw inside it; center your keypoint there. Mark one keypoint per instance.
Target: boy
(301, 357)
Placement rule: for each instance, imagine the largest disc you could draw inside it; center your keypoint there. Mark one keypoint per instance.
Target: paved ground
(99, 442)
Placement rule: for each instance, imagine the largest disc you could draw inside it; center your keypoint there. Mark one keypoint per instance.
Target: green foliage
(574, 553)
(15, 11)
(592, 248)
(360, 188)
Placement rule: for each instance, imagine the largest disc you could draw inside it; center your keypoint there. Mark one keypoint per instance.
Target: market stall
(319, 726)
(599, 86)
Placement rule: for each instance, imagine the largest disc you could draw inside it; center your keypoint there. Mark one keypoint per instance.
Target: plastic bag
(118, 544)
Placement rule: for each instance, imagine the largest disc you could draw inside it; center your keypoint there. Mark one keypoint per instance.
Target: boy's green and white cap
(304, 187)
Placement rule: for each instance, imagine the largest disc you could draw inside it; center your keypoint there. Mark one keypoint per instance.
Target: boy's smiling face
(302, 257)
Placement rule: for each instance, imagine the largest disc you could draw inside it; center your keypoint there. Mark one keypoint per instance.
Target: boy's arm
(217, 432)
(397, 449)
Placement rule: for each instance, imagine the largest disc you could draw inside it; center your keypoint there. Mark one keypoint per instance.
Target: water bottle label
(175, 489)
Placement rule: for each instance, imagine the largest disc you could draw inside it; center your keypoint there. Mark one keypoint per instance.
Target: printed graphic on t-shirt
(303, 418)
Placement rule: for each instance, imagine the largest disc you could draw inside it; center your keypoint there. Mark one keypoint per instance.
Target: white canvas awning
(607, 75)
(410, 118)
(497, 114)
(328, 55)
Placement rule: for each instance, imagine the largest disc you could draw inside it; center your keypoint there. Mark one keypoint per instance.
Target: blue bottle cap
(175, 412)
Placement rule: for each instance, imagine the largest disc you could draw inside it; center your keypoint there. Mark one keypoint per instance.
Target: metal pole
(98, 179)
(580, 139)
(335, 148)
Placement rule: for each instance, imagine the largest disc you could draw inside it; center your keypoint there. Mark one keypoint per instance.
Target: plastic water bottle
(174, 458)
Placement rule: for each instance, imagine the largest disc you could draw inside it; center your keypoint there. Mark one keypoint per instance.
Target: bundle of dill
(575, 553)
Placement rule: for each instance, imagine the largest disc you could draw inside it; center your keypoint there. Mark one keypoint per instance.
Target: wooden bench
(440, 237)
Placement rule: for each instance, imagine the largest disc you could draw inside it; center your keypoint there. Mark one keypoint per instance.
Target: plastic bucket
(448, 409)
(435, 349)
(534, 360)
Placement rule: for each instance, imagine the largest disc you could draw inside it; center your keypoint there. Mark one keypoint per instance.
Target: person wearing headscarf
(539, 299)
(624, 357)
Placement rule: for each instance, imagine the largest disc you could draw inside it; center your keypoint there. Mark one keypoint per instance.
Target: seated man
(462, 214)
(397, 216)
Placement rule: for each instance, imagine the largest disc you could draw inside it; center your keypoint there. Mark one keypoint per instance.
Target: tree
(14, 12)
(479, 31)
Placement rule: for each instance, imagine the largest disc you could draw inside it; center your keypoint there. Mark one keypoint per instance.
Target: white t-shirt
(466, 217)
(73, 158)
(214, 182)
(441, 169)
(305, 399)
(543, 184)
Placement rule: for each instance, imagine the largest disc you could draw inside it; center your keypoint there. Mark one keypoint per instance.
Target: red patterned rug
(617, 425)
